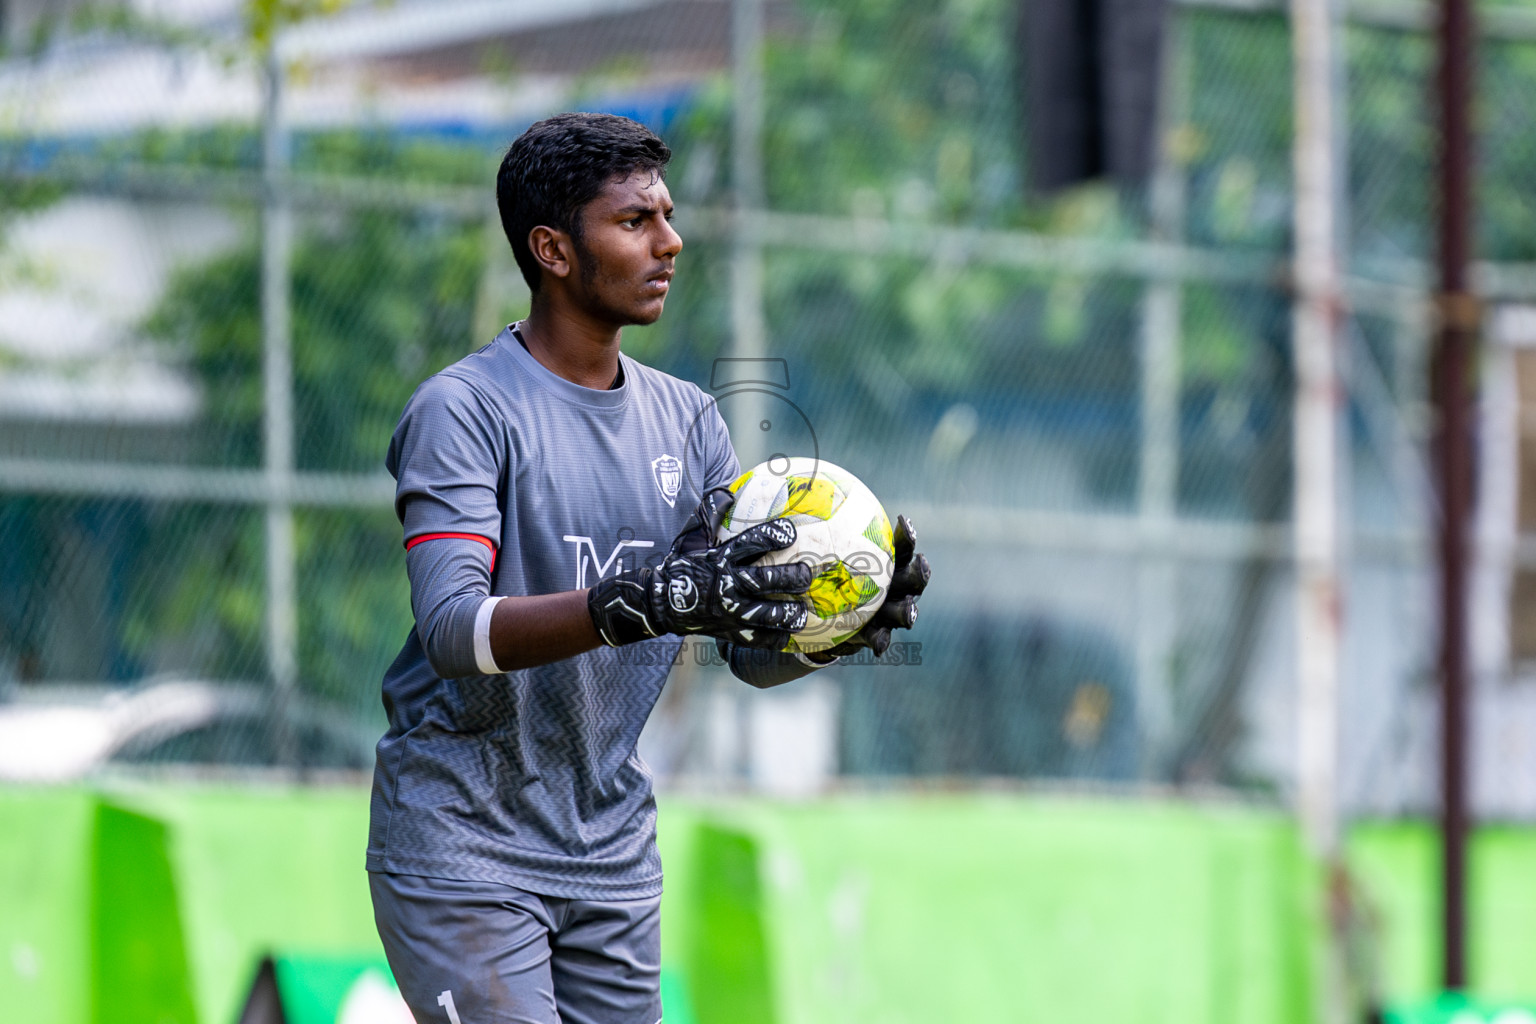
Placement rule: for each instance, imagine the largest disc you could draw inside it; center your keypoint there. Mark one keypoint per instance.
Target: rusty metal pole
(1457, 325)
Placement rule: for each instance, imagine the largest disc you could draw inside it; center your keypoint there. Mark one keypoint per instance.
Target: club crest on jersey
(668, 472)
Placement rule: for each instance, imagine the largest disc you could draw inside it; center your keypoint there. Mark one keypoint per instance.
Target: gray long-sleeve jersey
(511, 481)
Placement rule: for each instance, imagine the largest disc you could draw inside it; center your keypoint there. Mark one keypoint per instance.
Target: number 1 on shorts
(445, 1000)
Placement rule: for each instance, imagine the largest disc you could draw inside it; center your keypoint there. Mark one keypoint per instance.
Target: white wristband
(484, 660)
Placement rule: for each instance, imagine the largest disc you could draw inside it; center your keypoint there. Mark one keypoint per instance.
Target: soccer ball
(841, 531)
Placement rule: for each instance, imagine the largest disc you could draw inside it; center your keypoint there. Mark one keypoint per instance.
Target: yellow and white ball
(841, 531)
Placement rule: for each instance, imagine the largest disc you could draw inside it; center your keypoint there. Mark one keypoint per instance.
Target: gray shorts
(483, 953)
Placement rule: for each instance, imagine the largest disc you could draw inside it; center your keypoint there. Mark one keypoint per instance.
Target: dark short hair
(560, 165)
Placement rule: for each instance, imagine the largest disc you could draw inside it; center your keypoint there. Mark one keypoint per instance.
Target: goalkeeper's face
(625, 251)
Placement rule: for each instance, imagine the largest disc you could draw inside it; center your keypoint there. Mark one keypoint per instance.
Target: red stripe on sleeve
(455, 536)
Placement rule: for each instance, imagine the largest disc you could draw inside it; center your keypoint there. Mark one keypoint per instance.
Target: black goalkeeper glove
(704, 588)
(909, 578)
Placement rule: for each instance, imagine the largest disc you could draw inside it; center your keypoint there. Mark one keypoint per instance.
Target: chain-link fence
(212, 317)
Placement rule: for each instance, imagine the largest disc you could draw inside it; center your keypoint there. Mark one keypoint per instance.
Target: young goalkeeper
(545, 485)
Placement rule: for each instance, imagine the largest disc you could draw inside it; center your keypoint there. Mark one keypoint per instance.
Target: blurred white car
(55, 733)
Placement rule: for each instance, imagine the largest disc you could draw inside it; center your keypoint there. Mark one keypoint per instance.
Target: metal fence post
(749, 333)
(1157, 499)
(277, 386)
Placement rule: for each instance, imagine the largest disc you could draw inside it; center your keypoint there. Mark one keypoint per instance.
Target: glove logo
(668, 472)
(682, 594)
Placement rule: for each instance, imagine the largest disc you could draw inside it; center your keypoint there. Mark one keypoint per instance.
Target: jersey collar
(610, 398)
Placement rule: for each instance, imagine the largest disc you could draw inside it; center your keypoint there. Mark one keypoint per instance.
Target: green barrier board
(45, 893)
(281, 869)
(88, 914)
(138, 956)
(170, 896)
(263, 869)
(1001, 909)
(730, 967)
(145, 903)
(1398, 867)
